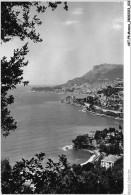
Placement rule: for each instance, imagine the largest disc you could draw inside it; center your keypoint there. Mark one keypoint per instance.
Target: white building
(109, 161)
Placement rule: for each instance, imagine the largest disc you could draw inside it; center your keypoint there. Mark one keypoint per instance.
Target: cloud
(117, 24)
(70, 22)
(77, 11)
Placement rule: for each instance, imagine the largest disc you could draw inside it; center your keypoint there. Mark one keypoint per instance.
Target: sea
(44, 124)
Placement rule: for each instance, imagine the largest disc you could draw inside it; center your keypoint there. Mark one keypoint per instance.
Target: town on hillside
(107, 101)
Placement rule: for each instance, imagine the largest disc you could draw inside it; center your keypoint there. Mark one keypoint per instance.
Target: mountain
(100, 73)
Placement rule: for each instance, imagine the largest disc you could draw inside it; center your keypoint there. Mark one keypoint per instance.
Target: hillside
(99, 73)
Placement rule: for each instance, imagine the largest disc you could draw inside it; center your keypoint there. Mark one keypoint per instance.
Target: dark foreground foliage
(31, 177)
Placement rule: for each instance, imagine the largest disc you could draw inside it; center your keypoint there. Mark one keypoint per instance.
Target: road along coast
(96, 110)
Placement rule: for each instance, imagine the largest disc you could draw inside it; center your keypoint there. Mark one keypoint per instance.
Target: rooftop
(110, 158)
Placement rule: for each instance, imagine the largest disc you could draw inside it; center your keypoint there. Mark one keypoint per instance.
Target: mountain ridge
(99, 73)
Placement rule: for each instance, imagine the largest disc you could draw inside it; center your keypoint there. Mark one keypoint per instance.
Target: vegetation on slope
(30, 177)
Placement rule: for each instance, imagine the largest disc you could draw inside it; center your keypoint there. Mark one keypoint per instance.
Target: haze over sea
(46, 125)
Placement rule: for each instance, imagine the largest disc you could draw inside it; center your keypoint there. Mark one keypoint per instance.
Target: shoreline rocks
(72, 101)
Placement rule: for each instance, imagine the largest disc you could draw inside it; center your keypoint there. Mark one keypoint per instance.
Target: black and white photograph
(62, 97)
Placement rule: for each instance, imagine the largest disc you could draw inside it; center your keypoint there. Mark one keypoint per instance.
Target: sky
(88, 34)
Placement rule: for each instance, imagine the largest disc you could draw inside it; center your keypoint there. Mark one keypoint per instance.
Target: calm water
(46, 125)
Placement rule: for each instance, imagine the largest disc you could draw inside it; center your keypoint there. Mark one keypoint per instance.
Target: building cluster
(106, 102)
(111, 138)
(106, 146)
(109, 161)
(112, 97)
(88, 88)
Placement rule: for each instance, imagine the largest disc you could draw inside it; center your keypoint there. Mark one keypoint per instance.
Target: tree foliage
(31, 176)
(17, 21)
(11, 75)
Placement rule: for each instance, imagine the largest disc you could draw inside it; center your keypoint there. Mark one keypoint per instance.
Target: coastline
(99, 111)
(89, 160)
(93, 113)
(85, 107)
(93, 153)
(93, 157)
(101, 115)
